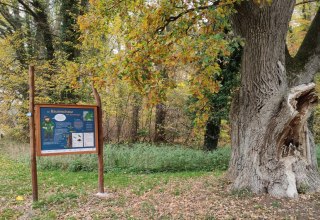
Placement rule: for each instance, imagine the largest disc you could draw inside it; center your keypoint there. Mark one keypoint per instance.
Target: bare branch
(28, 9)
(7, 17)
(12, 6)
(174, 18)
(114, 5)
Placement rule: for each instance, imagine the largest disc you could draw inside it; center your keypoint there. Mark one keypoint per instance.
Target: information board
(66, 129)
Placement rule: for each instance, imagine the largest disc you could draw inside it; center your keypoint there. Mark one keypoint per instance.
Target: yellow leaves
(83, 22)
(145, 23)
(116, 25)
(92, 2)
(299, 24)
(200, 84)
(153, 63)
(263, 2)
(19, 198)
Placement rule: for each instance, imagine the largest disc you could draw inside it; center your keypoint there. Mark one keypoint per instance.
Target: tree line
(47, 34)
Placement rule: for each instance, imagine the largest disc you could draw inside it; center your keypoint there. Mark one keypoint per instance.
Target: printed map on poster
(64, 130)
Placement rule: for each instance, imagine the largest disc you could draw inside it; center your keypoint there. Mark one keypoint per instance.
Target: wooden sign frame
(34, 115)
(39, 150)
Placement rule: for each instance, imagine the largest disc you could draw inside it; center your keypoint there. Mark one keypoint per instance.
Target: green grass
(318, 154)
(138, 158)
(63, 190)
(140, 168)
(143, 158)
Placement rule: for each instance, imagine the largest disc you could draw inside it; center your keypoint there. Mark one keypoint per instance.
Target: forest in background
(166, 70)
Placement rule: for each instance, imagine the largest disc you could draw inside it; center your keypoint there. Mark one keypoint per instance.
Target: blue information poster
(66, 129)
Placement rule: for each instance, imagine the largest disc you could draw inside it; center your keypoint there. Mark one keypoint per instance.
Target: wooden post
(100, 147)
(32, 136)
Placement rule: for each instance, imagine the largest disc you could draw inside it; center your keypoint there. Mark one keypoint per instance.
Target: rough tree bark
(272, 148)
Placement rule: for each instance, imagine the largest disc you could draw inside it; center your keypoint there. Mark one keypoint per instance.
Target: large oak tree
(272, 147)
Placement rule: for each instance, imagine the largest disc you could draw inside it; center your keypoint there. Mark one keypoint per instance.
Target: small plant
(258, 206)
(10, 214)
(51, 215)
(242, 193)
(303, 188)
(275, 204)
(177, 192)
(148, 208)
(58, 198)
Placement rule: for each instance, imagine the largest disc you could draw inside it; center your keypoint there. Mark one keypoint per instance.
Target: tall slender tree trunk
(212, 134)
(160, 135)
(42, 21)
(69, 29)
(272, 148)
(136, 106)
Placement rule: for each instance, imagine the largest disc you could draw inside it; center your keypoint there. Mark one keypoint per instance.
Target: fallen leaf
(19, 198)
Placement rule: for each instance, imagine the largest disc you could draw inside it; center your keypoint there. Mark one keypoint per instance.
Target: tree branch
(305, 2)
(3, 33)
(28, 9)
(311, 40)
(114, 5)
(288, 55)
(7, 28)
(174, 18)
(12, 6)
(7, 17)
(307, 61)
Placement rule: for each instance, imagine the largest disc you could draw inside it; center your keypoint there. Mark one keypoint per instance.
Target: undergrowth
(143, 158)
(138, 158)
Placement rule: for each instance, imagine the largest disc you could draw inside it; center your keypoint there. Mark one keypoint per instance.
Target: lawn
(200, 194)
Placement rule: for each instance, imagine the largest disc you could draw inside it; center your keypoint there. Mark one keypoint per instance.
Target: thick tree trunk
(272, 148)
(42, 22)
(212, 134)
